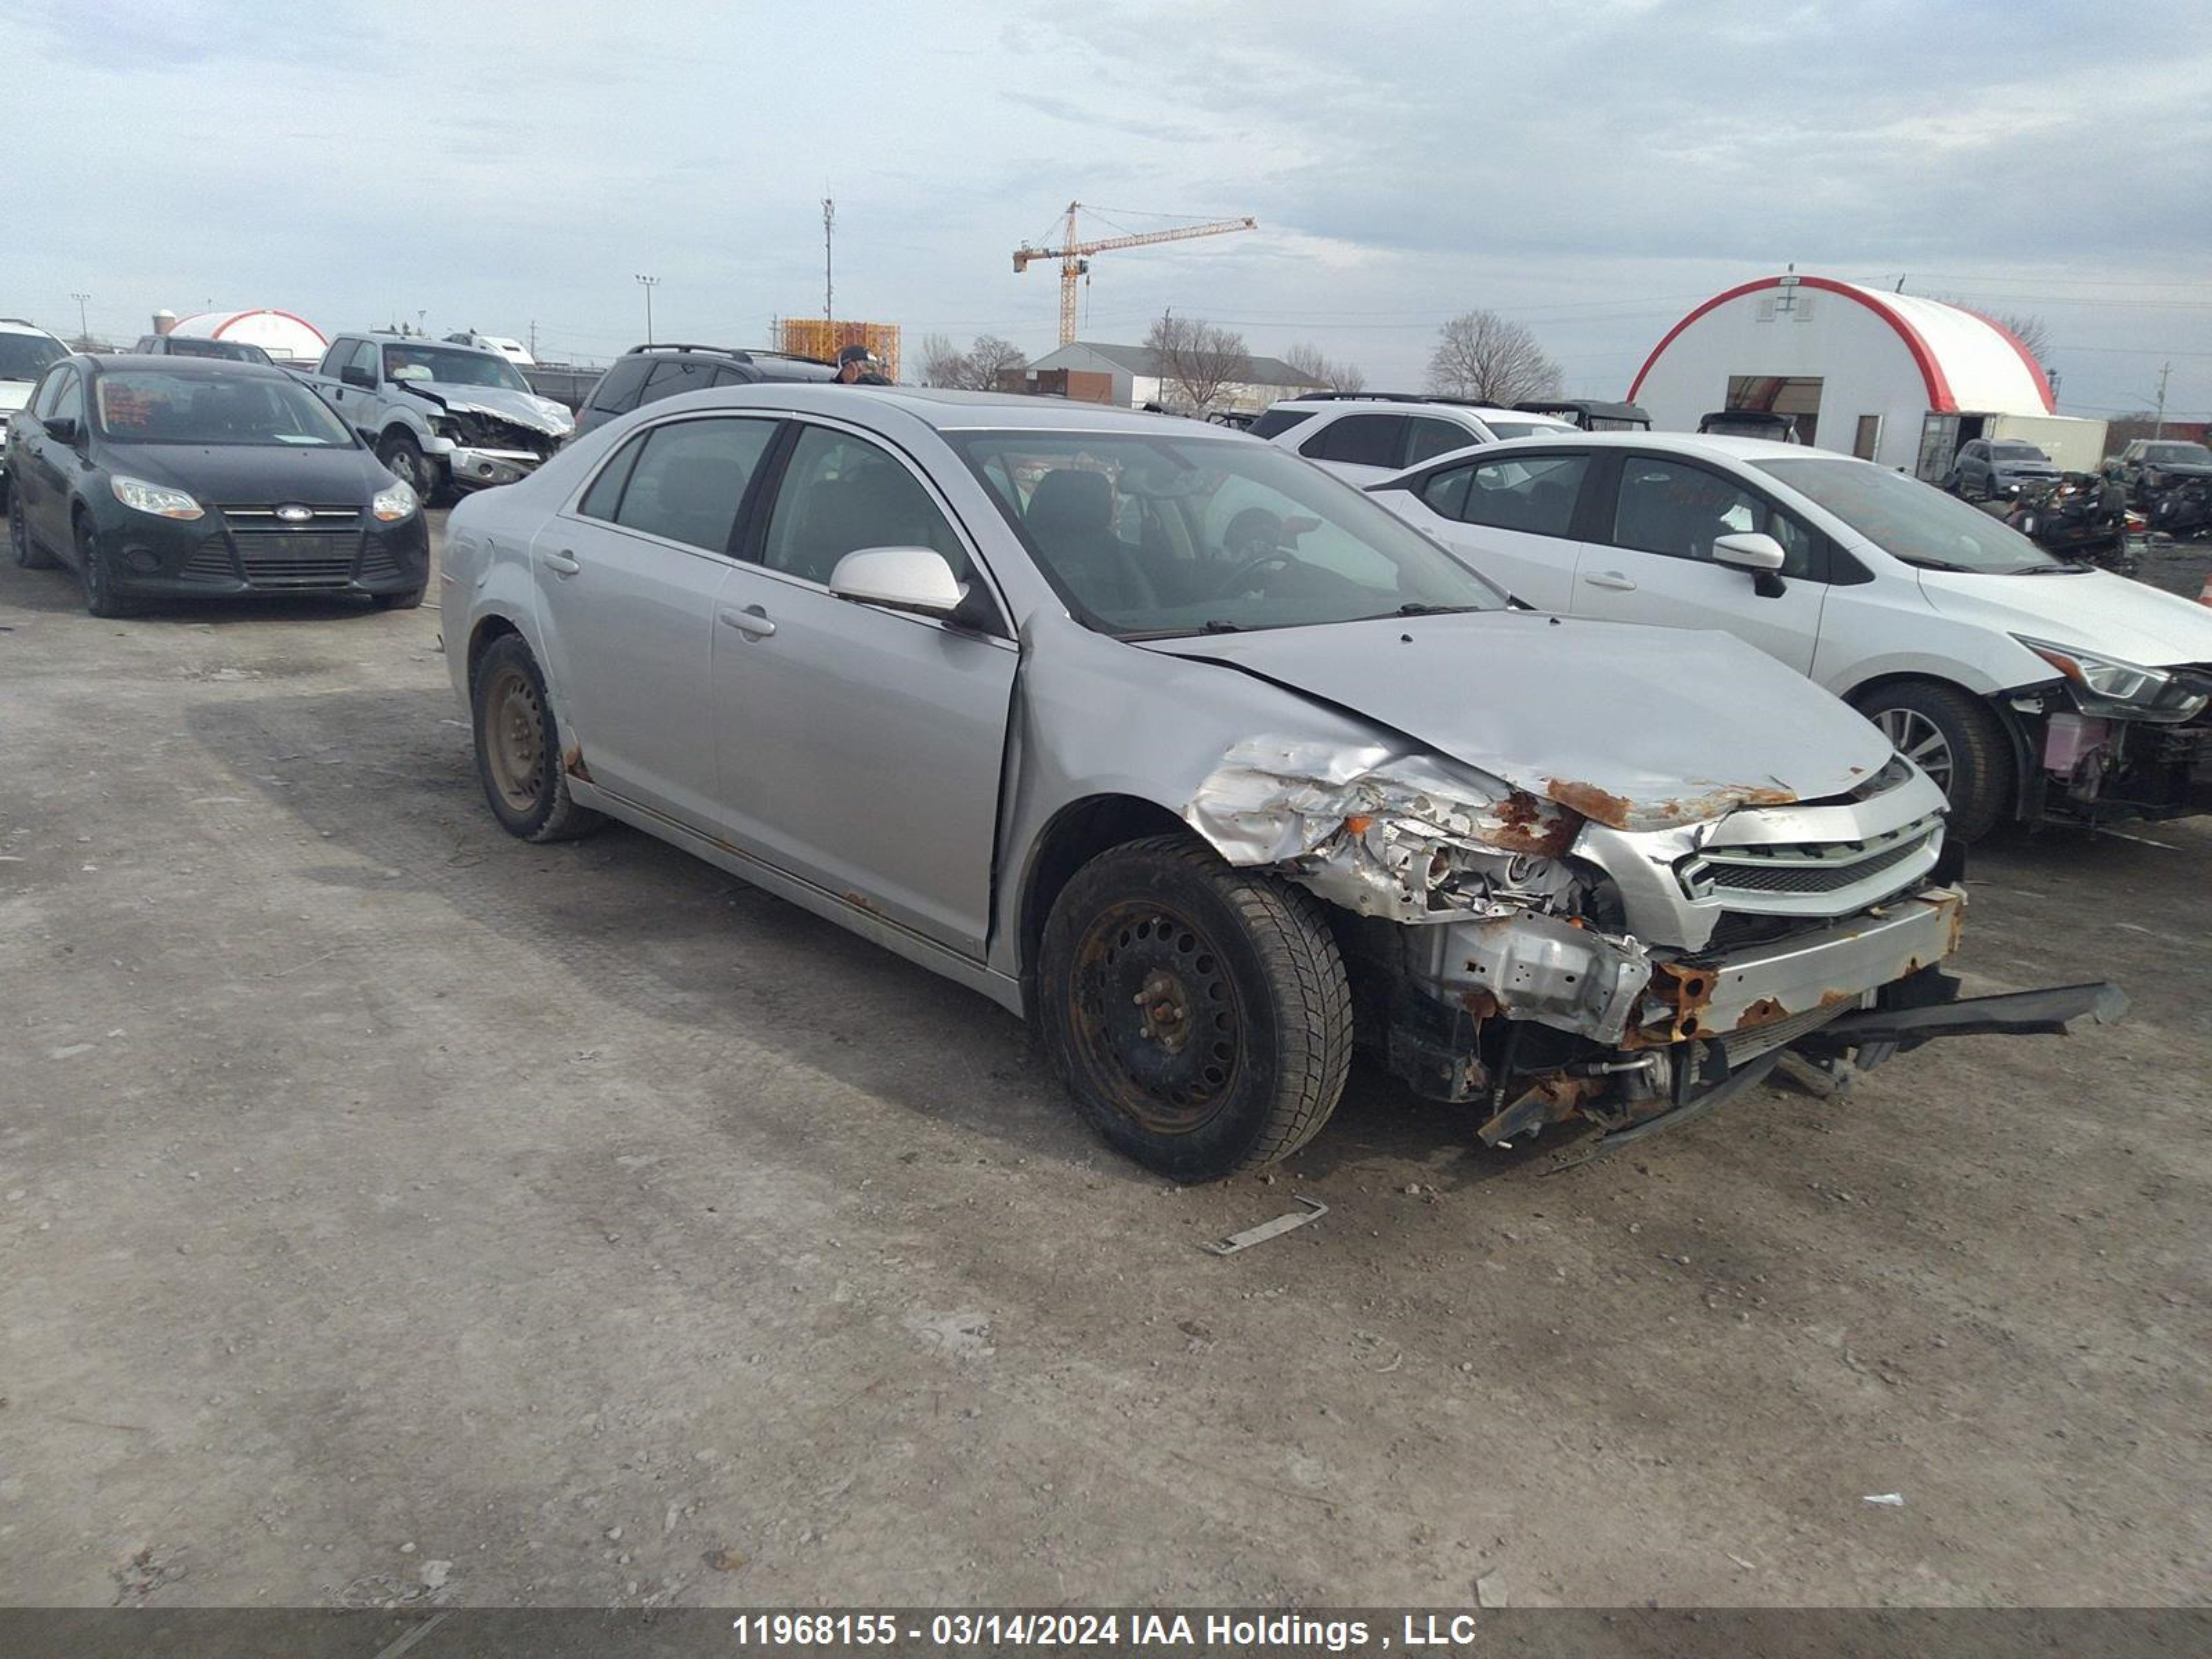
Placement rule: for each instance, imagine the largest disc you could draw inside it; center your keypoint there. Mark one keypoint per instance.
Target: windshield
(236, 350)
(450, 366)
(2180, 455)
(155, 406)
(25, 356)
(1146, 536)
(2017, 453)
(1910, 520)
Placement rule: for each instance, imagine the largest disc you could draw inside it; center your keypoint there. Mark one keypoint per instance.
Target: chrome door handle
(1612, 578)
(751, 620)
(562, 564)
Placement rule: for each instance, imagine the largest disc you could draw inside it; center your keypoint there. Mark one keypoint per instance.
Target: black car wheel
(1954, 738)
(1199, 1013)
(404, 459)
(94, 575)
(519, 748)
(28, 554)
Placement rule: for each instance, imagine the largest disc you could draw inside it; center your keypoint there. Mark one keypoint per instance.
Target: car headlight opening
(159, 499)
(391, 505)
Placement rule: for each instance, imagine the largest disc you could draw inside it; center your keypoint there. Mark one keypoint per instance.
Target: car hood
(14, 394)
(525, 408)
(2164, 469)
(2092, 609)
(1638, 728)
(254, 474)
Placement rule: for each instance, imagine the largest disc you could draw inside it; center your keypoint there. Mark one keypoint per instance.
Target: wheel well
(1078, 832)
(2020, 744)
(489, 629)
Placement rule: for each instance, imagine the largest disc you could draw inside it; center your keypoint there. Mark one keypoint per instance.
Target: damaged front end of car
(1628, 962)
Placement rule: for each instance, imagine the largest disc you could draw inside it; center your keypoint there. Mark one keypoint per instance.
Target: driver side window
(841, 493)
(67, 402)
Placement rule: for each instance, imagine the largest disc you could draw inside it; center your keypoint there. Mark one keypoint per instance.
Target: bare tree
(1198, 361)
(976, 369)
(1480, 353)
(1318, 370)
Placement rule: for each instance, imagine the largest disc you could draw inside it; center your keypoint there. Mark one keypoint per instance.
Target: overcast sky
(1593, 169)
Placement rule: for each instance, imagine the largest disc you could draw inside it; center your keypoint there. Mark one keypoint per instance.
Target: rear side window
(1535, 494)
(690, 479)
(1425, 437)
(617, 388)
(1278, 421)
(604, 496)
(672, 375)
(1357, 440)
(733, 374)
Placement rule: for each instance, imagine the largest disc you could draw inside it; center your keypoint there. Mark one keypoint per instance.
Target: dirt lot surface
(391, 1211)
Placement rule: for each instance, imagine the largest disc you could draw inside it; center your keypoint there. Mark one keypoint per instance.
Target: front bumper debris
(481, 469)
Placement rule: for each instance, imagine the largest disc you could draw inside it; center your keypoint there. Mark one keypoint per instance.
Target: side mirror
(354, 375)
(915, 578)
(65, 430)
(1752, 550)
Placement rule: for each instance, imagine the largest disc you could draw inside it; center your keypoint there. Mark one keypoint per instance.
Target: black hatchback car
(198, 477)
(647, 374)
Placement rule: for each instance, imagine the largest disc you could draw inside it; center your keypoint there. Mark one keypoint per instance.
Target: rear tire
(94, 576)
(28, 554)
(1199, 1014)
(519, 750)
(1956, 739)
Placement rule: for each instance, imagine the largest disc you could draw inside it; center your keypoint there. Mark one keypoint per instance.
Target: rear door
(626, 581)
(861, 748)
(1650, 560)
(1509, 517)
(50, 463)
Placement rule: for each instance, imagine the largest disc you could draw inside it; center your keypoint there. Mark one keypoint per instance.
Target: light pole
(84, 328)
(648, 283)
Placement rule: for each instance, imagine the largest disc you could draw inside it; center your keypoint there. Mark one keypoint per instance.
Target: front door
(1653, 560)
(626, 581)
(861, 748)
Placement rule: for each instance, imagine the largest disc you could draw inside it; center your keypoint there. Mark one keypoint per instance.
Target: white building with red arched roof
(288, 338)
(1894, 377)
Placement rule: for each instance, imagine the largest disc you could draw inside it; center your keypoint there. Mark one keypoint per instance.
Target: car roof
(1704, 446)
(213, 369)
(1400, 405)
(950, 411)
(17, 325)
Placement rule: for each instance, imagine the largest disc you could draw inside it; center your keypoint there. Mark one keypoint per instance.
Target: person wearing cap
(857, 366)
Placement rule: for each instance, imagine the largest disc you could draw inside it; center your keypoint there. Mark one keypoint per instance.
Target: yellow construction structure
(1074, 256)
(813, 337)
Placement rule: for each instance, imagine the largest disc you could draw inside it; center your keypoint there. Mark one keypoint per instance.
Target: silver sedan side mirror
(1752, 550)
(915, 578)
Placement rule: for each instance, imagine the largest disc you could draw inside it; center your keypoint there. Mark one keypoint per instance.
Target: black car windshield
(1910, 520)
(450, 367)
(236, 350)
(2179, 454)
(25, 356)
(1145, 535)
(156, 406)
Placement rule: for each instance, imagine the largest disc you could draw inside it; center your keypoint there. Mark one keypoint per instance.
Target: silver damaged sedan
(1195, 756)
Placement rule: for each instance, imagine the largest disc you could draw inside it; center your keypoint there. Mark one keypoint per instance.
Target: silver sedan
(1162, 738)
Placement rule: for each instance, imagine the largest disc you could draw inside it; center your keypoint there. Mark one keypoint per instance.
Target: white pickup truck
(440, 416)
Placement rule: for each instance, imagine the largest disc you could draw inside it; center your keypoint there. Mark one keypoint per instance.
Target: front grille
(1801, 867)
(210, 562)
(278, 549)
(378, 565)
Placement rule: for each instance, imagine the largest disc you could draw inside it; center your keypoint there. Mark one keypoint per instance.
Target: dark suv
(647, 373)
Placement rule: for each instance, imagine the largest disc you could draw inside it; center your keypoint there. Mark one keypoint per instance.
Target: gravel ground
(392, 1212)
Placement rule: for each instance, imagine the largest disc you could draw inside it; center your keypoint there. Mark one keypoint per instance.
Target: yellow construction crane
(1074, 256)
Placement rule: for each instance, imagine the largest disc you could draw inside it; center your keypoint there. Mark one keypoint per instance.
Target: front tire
(1199, 1014)
(518, 755)
(94, 575)
(402, 458)
(1957, 741)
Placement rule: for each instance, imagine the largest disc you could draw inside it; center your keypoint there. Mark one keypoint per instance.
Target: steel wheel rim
(1158, 1025)
(1920, 740)
(514, 739)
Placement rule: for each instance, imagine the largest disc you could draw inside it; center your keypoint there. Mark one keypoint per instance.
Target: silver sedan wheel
(1920, 741)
